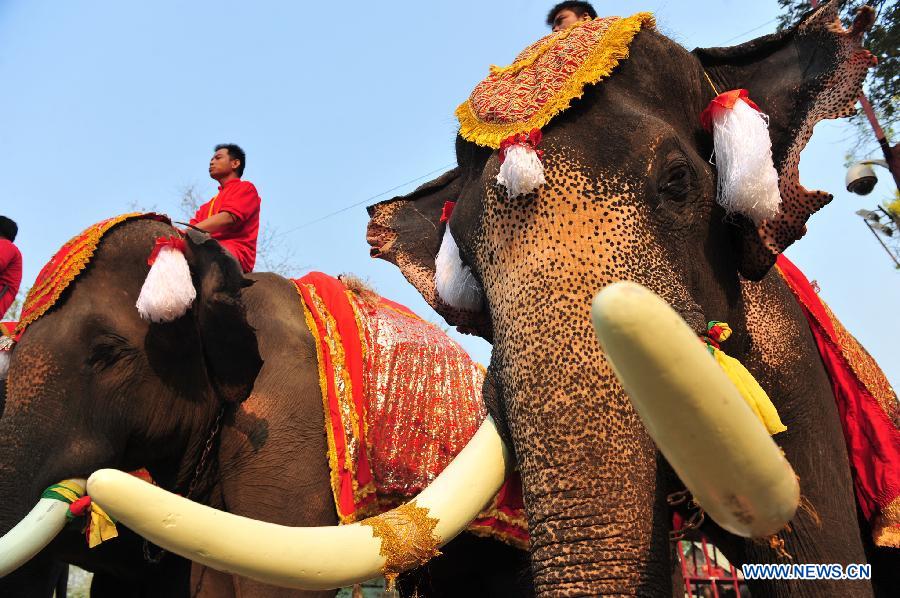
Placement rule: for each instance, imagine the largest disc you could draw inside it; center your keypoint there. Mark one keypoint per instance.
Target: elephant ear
(797, 77)
(407, 231)
(230, 347)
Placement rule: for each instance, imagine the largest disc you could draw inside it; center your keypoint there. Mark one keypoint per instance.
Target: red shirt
(240, 199)
(10, 273)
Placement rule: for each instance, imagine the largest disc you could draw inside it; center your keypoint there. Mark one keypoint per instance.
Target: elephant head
(92, 385)
(629, 194)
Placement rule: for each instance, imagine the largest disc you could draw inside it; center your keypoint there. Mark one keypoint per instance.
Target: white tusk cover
(32, 533)
(694, 413)
(310, 558)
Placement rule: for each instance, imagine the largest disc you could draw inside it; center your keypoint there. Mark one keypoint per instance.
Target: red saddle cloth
(401, 399)
(870, 414)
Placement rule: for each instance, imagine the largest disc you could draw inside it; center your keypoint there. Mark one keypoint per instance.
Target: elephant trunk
(24, 533)
(590, 471)
(29, 441)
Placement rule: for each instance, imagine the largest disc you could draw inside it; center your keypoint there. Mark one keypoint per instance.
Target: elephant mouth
(380, 239)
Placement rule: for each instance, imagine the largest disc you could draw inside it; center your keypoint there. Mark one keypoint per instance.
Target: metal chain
(694, 521)
(207, 450)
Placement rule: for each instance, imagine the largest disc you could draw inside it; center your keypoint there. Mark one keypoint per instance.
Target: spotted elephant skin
(630, 195)
(91, 386)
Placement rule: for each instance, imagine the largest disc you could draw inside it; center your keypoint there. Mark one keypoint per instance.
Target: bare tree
(15, 309)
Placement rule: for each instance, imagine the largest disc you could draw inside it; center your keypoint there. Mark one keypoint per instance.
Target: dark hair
(579, 8)
(8, 228)
(235, 153)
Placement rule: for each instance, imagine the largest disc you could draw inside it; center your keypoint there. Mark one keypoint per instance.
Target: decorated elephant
(237, 394)
(603, 174)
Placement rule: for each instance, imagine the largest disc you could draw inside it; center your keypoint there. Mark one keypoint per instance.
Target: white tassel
(455, 283)
(4, 364)
(748, 181)
(168, 291)
(521, 172)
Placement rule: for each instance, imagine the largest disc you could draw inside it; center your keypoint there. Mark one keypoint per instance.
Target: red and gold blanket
(401, 399)
(870, 414)
(546, 77)
(64, 267)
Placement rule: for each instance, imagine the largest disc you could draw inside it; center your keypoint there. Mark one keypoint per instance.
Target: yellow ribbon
(751, 391)
(100, 527)
(753, 394)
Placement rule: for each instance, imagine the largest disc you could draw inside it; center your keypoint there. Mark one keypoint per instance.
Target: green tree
(884, 42)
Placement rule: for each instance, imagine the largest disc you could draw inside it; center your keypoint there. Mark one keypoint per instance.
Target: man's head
(8, 228)
(227, 159)
(565, 13)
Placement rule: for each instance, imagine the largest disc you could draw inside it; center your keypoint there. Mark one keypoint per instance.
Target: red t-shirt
(10, 273)
(240, 199)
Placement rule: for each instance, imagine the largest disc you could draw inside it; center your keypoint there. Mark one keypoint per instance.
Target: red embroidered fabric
(401, 400)
(868, 408)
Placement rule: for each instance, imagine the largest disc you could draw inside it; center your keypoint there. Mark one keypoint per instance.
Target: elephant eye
(676, 181)
(109, 349)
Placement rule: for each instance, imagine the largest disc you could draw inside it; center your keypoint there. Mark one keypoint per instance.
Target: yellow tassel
(751, 391)
(103, 528)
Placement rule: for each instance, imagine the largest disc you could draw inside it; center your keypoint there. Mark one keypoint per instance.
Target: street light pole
(891, 154)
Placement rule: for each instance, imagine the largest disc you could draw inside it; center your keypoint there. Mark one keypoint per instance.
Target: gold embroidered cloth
(401, 399)
(546, 77)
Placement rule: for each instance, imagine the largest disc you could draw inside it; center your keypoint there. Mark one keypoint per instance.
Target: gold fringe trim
(520, 65)
(886, 529)
(407, 538)
(66, 272)
(612, 49)
(323, 387)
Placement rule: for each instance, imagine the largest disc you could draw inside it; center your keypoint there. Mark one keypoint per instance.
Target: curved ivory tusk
(694, 413)
(33, 533)
(311, 558)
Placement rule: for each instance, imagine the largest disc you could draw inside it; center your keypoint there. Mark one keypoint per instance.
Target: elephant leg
(62, 582)
(472, 566)
(784, 358)
(35, 579)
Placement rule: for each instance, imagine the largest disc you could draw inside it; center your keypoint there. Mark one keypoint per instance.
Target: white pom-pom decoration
(4, 364)
(521, 172)
(748, 181)
(168, 291)
(455, 283)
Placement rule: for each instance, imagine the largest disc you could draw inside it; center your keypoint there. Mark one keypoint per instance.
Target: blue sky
(111, 104)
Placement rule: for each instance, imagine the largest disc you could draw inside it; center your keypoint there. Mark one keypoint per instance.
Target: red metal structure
(705, 573)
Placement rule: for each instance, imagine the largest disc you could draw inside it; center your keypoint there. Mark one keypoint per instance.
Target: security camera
(861, 179)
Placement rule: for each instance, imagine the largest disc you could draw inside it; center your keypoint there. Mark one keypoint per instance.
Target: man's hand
(219, 222)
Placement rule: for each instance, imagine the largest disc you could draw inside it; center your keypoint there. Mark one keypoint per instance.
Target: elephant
(222, 404)
(629, 194)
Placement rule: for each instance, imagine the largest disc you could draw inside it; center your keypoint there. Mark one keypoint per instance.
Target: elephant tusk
(33, 533)
(694, 413)
(313, 558)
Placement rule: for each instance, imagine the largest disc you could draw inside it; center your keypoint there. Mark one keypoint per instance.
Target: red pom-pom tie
(447, 210)
(725, 101)
(81, 507)
(161, 242)
(529, 140)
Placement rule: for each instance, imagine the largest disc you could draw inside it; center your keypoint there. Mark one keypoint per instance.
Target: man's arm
(216, 223)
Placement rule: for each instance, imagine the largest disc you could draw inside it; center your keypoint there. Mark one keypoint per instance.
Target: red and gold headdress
(507, 109)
